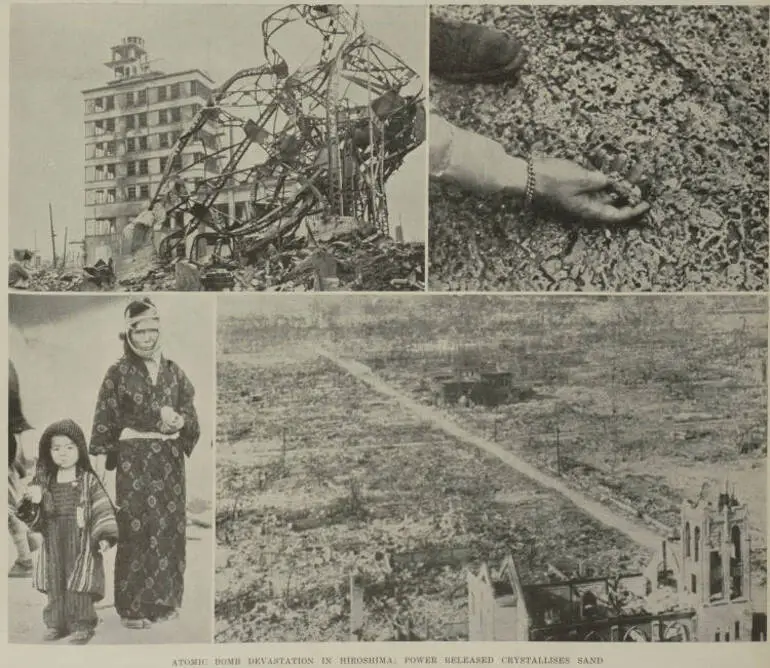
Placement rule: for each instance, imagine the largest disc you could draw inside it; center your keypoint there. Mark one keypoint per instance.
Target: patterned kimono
(149, 482)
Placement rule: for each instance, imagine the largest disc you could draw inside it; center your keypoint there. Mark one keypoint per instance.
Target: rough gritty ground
(677, 96)
(418, 488)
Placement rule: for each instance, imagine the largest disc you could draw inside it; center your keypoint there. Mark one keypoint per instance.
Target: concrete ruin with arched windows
(697, 588)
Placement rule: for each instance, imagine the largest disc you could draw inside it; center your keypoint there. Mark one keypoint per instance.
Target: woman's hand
(104, 545)
(172, 421)
(569, 189)
(34, 493)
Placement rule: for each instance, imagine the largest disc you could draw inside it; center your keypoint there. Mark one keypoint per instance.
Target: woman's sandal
(136, 623)
(168, 617)
(82, 636)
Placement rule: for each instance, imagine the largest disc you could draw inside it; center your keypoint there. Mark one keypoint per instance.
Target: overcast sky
(56, 51)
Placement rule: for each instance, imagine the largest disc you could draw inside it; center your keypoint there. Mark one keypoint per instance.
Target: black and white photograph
(218, 147)
(110, 469)
(583, 148)
(480, 467)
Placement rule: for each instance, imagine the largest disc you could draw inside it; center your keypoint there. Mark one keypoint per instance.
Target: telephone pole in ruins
(53, 234)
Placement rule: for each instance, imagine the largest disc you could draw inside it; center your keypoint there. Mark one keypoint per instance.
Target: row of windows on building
(150, 142)
(151, 95)
(111, 195)
(112, 171)
(100, 227)
(141, 120)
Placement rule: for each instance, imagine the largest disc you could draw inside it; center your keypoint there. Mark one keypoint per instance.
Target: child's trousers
(70, 611)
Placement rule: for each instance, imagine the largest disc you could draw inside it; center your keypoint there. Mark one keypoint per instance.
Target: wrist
(512, 177)
(529, 191)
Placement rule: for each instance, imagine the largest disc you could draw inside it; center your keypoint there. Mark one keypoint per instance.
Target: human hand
(34, 493)
(104, 545)
(172, 421)
(568, 189)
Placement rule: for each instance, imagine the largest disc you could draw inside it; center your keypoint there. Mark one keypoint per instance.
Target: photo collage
(429, 323)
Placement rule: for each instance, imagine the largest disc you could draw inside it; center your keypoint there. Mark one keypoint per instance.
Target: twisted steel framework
(320, 152)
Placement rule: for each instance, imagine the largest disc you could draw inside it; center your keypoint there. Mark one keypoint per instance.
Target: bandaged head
(142, 328)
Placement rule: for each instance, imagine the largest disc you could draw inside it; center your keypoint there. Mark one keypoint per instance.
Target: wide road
(639, 534)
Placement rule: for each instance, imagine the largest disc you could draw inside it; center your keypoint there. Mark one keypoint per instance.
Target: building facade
(131, 123)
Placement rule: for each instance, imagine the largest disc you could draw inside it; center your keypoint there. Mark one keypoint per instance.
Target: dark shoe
(21, 569)
(135, 623)
(54, 634)
(82, 636)
(467, 52)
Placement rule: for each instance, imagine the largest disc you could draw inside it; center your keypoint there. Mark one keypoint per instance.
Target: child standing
(67, 503)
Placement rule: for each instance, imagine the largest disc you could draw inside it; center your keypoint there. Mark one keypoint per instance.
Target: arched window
(696, 537)
(735, 538)
(736, 568)
(687, 550)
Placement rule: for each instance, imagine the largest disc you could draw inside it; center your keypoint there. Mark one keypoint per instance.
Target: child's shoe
(21, 569)
(54, 634)
(82, 636)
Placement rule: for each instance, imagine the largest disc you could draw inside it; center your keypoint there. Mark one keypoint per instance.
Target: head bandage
(132, 321)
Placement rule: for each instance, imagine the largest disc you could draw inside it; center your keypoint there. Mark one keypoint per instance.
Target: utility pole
(64, 250)
(53, 234)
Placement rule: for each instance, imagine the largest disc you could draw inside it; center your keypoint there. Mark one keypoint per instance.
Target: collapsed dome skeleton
(321, 140)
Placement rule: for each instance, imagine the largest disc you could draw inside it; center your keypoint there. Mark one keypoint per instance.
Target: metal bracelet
(529, 192)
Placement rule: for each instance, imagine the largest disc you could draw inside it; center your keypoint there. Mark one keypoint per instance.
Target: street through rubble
(640, 535)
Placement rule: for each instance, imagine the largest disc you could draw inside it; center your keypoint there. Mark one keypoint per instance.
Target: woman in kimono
(144, 425)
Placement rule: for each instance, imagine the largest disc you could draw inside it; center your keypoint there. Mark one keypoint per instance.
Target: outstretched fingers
(607, 213)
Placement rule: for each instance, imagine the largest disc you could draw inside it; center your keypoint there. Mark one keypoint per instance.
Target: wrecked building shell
(314, 145)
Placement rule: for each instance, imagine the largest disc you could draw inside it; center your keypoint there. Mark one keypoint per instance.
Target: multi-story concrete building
(130, 125)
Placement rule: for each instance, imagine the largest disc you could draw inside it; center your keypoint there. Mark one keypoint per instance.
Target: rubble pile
(60, 280)
(375, 263)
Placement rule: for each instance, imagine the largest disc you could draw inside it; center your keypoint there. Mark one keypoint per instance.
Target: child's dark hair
(72, 430)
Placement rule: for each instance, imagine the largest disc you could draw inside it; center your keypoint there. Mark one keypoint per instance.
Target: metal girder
(322, 139)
